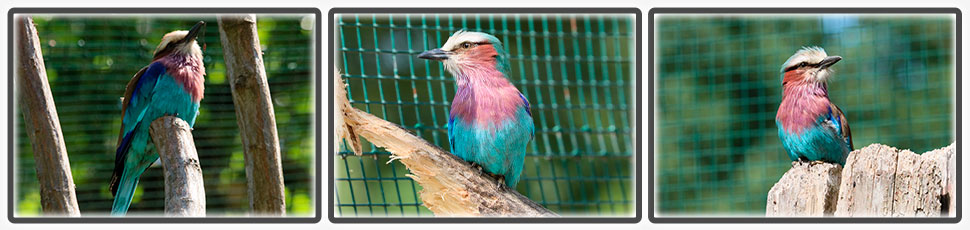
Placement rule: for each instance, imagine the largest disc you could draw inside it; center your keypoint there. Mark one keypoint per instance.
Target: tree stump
(807, 189)
(867, 181)
(877, 181)
(885, 181)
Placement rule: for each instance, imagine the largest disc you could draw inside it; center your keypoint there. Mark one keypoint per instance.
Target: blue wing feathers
(121, 155)
(528, 108)
(141, 94)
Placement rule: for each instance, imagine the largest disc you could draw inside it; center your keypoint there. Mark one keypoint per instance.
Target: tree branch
(184, 188)
(451, 186)
(43, 126)
(254, 113)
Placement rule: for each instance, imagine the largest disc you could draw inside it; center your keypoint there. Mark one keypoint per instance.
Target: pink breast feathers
(486, 106)
(802, 105)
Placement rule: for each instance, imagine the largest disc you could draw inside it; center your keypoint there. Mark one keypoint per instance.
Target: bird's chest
(797, 113)
(486, 109)
(171, 98)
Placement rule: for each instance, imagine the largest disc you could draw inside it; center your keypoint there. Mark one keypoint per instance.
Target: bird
(811, 127)
(490, 121)
(171, 85)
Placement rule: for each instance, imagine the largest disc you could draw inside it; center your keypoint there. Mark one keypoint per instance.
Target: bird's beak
(828, 61)
(435, 54)
(194, 32)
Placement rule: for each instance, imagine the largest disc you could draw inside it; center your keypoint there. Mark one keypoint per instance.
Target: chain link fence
(576, 70)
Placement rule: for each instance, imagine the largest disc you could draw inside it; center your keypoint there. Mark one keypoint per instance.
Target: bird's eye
(466, 45)
(801, 64)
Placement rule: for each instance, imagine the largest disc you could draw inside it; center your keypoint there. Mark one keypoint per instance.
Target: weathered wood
(951, 184)
(450, 186)
(254, 113)
(921, 181)
(806, 190)
(881, 181)
(933, 192)
(867, 182)
(184, 188)
(43, 126)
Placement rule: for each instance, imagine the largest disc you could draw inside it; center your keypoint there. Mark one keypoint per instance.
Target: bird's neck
(188, 70)
(805, 88)
(486, 98)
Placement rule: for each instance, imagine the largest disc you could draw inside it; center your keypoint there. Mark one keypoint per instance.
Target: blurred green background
(576, 70)
(718, 85)
(89, 61)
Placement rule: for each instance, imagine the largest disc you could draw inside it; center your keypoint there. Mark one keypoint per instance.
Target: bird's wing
(451, 133)
(842, 123)
(136, 100)
(528, 109)
(138, 95)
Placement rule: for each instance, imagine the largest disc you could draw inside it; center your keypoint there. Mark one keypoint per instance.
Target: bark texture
(53, 167)
(184, 188)
(254, 113)
(808, 189)
(451, 187)
(877, 181)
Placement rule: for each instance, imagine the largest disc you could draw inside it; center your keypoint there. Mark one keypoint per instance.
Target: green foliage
(89, 61)
(575, 70)
(718, 85)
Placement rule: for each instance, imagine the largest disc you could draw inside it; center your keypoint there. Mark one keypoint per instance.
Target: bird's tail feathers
(125, 191)
(122, 185)
(121, 155)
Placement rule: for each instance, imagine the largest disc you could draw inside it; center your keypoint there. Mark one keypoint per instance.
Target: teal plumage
(170, 85)
(490, 123)
(810, 126)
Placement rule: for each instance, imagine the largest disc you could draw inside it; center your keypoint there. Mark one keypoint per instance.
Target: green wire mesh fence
(719, 86)
(89, 61)
(576, 70)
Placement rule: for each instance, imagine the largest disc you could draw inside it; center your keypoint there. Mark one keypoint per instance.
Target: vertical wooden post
(806, 190)
(877, 181)
(868, 182)
(43, 126)
(254, 113)
(184, 188)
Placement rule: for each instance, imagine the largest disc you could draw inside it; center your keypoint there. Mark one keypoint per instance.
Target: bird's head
(810, 64)
(467, 51)
(180, 42)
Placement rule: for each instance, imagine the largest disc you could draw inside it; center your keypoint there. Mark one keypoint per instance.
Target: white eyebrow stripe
(810, 55)
(462, 36)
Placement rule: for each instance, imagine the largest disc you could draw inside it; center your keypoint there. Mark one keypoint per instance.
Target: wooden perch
(877, 181)
(53, 167)
(451, 186)
(254, 113)
(808, 189)
(184, 189)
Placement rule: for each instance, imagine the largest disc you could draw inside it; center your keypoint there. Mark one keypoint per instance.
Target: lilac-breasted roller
(811, 127)
(171, 85)
(490, 123)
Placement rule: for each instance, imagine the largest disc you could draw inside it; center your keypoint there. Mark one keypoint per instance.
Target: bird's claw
(476, 166)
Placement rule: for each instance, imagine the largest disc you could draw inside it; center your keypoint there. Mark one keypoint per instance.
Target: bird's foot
(476, 166)
(813, 163)
(501, 180)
